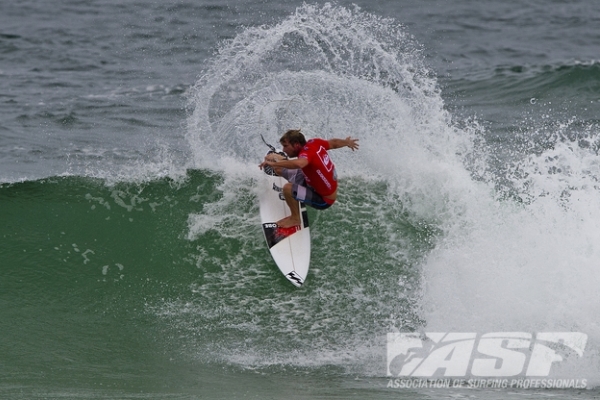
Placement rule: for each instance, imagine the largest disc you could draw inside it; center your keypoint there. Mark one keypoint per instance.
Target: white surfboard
(289, 247)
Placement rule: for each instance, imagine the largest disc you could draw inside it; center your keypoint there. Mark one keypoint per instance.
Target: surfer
(311, 174)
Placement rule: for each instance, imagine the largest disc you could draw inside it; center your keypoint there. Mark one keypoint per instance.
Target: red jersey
(320, 172)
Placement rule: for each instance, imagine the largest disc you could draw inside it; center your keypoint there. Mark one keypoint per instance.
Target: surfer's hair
(293, 136)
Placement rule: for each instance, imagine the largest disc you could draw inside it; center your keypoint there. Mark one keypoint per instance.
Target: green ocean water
(108, 278)
(81, 262)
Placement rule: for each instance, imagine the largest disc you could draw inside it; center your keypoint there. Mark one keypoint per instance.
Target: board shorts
(302, 192)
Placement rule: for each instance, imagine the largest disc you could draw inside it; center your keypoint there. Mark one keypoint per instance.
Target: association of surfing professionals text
(482, 383)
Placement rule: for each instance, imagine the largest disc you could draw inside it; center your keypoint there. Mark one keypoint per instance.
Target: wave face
(334, 72)
(441, 224)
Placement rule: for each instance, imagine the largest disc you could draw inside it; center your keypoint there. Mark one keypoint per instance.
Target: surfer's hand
(270, 159)
(273, 158)
(352, 143)
(263, 164)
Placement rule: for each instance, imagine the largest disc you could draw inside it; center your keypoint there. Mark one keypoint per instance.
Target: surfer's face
(291, 150)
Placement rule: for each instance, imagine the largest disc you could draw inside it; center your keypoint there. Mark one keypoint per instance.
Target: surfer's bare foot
(288, 222)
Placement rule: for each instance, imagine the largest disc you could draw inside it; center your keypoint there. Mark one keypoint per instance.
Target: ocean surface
(132, 262)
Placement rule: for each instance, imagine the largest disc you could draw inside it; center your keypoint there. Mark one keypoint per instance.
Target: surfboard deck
(289, 247)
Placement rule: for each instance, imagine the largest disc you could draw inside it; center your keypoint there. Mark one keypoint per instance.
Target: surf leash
(268, 145)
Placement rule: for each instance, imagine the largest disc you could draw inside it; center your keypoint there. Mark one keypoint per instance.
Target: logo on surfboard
(275, 234)
(294, 278)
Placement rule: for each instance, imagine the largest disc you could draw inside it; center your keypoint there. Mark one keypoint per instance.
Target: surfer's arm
(336, 143)
(283, 163)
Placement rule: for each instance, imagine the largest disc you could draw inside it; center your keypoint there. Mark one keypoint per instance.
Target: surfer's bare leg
(292, 203)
